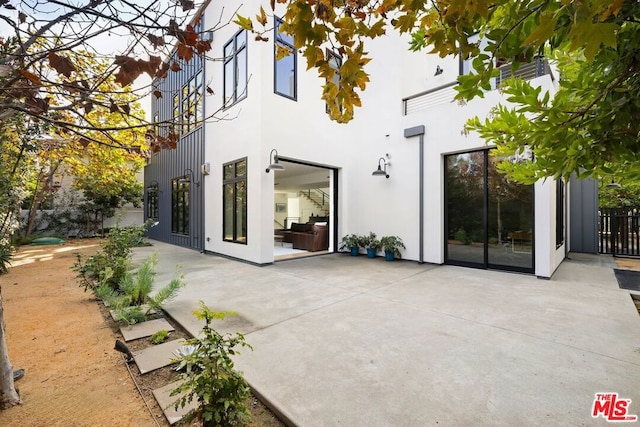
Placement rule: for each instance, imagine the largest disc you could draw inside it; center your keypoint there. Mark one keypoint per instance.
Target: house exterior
(442, 197)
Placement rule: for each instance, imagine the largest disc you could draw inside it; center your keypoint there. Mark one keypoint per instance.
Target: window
(235, 201)
(235, 69)
(192, 103)
(180, 206)
(152, 202)
(285, 68)
(176, 113)
(559, 213)
(335, 62)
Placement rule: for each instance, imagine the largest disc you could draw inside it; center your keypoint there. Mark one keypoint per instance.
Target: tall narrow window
(180, 206)
(235, 69)
(235, 201)
(335, 62)
(559, 213)
(152, 202)
(192, 103)
(285, 64)
(176, 113)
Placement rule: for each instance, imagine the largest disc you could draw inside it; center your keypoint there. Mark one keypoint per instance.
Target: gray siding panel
(583, 222)
(167, 165)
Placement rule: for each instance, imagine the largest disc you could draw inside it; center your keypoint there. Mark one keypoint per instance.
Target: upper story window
(235, 69)
(175, 113)
(192, 103)
(335, 62)
(285, 63)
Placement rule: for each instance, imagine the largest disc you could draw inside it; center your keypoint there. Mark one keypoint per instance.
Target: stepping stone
(157, 356)
(145, 329)
(166, 402)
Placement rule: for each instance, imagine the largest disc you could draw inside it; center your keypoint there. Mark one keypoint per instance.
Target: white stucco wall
(301, 130)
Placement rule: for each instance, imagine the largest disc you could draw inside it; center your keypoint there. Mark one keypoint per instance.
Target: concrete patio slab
(342, 340)
(157, 356)
(145, 329)
(166, 402)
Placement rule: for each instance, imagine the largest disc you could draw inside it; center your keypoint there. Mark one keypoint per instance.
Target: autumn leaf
(209, 90)
(184, 52)
(22, 17)
(186, 5)
(61, 64)
(175, 67)
(113, 107)
(31, 77)
(203, 46)
(156, 41)
(157, 94)
(126, 109)
(262, 17)
(243, 22)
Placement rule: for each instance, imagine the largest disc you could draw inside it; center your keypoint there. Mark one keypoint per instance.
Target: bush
(6, 253)
(110, 265)
(209, 377)
(461, 236)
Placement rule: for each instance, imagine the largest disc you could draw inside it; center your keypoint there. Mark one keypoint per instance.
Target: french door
(488, 219)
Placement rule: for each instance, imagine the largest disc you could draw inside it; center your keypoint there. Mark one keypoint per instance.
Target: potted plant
(391, 246)
(351, 242)
(372, 244)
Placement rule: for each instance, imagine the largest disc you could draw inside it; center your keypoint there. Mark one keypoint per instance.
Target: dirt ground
(64, 340)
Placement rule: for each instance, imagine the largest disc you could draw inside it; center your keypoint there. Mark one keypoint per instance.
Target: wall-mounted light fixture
(438, 70)
(188, 177)
(153, 186)
(274, 162)
(613, 184)
(382, 168)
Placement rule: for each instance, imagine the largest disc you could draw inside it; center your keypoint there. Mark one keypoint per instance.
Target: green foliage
(461, 236)
(6, 253)
(111, 264)
(209, 376)
(627, 195)
(392, 244)
(371, 241)
(590, 127)
(351, 241)
(134, 300)
(160, 336)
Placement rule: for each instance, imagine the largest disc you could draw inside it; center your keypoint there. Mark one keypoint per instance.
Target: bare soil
(63, 338)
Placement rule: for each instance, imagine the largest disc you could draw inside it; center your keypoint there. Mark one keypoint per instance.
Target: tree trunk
(8, 395)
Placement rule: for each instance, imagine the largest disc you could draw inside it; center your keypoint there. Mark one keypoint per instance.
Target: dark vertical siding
(170, 164)
(583, 223)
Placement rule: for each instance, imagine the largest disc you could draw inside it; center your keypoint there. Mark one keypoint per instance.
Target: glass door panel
(510, 226)
(465, 200)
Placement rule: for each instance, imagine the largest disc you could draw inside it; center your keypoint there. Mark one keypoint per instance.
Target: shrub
(461, 236)
(6, 253)
(160, 336)
(209, 376)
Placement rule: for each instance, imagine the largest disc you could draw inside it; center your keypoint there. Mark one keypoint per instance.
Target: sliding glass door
(489, 220)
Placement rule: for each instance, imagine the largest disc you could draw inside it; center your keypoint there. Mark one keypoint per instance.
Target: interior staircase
(318, 197)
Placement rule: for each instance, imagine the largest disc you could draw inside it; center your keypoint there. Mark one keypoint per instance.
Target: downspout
(408, 133)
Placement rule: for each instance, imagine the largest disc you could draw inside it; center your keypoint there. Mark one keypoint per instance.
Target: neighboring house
(443, 196)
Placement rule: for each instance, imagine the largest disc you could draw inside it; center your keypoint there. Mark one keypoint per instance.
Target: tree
(65, 95)
(589, 127)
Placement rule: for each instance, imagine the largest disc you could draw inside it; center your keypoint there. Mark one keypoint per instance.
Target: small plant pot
(371, 253)
(389, 256)
(355, 251)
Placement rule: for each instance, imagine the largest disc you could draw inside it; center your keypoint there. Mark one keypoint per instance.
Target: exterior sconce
(153, 186)
(382, 168)
(274, 162)
(613, 184)
(438, 70)
(188, 177)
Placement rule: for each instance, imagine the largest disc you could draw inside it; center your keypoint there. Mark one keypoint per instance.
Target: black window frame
(231, 184)
(329, 54)
(191, 103)
(560, 223)
(235, 97)
(152, 207)
(280, 39)
(180, 192)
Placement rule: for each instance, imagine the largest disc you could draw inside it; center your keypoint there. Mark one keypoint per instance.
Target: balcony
(445, 94)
